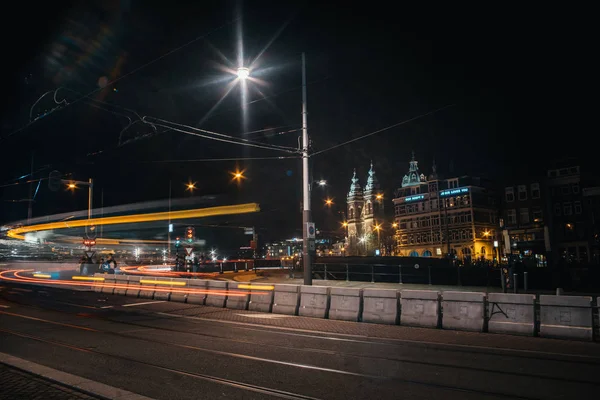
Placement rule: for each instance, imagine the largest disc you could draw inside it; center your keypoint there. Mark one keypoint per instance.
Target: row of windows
(437, 237)
(434, 220)
(509, 192)
(432, 205)
(524, 216)
(566, 189)
(567, 208)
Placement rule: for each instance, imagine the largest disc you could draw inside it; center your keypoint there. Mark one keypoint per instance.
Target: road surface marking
(266, 316)
(23, 290)
(141, 304)
(3, 306)
(107, 307)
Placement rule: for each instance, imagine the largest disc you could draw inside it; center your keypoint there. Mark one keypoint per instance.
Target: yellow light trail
(129, 219)
(86, 278)
(42, 276)
(257, 287)
(176, 283)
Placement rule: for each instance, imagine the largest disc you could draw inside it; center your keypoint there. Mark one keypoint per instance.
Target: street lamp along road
(243, 73)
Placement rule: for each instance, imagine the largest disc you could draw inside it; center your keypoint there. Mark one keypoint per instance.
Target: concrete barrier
(420, 308)
(216, 299)
(109, 282)
(163, 291)
(314, 301)
(234, 300)
(463, 311)
(345, 304)
(286, 299)
(98, 285)
(511, 313)
(566, 317)
(121, 280)
(380, 306)
(200, 285)
(261, 299)
(176, 290)
(147, 289)
(133, 286)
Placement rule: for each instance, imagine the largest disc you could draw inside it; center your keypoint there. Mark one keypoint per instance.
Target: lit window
(510, 194)
(535, 190)
(537, 215)
(522, 192)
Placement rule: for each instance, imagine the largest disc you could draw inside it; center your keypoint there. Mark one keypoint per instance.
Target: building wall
(437, 217)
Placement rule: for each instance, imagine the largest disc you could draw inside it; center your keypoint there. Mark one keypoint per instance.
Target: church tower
(355, 202)
(373, 198)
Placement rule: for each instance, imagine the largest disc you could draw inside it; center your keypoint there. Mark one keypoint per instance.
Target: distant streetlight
(243, 73)
(344, 224)
(322, 182)
(379, 196)
(238, 175)
(328, 202)
(191, 186)
(394, 225)
(71, 186)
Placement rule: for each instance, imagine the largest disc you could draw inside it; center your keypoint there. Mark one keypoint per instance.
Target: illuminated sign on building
(413, 198)
(451, 192)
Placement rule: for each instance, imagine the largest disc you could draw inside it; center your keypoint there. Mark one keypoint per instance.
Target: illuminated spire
(372, 183)
(355, 189)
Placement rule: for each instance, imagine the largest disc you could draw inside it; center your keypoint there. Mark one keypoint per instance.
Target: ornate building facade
(439, 217)
(365, 215)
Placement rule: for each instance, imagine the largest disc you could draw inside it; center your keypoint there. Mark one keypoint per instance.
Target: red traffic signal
(189, 234)
(89, 242)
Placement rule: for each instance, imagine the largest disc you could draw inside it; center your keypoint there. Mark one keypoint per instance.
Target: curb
(84, 385)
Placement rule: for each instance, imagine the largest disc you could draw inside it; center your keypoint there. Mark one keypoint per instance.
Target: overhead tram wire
(58, 108)
(219, 136)
(381, 130)
(224, 159)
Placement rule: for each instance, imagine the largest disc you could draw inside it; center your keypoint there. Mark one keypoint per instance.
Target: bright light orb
(243, 73)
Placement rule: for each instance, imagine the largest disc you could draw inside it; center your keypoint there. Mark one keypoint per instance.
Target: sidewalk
(17, 384)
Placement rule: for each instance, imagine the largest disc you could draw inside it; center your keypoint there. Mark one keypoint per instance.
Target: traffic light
(177, 242)
(189, 234)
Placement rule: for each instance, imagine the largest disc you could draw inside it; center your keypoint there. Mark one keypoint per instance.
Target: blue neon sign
(451, 192)
(413, 198)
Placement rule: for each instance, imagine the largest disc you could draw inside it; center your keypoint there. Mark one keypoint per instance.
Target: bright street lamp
(322, 182)
(243, 73)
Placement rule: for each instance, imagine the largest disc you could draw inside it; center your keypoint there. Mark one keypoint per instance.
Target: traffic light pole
(306, 212)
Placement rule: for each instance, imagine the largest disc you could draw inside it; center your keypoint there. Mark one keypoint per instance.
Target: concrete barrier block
(178, 292)
(162, 291)
(380, 306)
(314, 301)
(197, 292)
(511, 313)
(463, 311)
(345, 304)
(146, 288)
(261, 297)
(122, 281)
(566, 317)
(108, 286)
(237, 298)
(419, 308)
(133, 286)
(98, 285)
(286, 299)
(217, 294)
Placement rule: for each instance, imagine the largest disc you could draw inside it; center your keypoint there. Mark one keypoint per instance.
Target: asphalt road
(170, 350)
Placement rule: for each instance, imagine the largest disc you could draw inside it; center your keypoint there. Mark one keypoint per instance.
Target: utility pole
(169, 227)
(101, 209)
(306, 214)
(90, 195)
(30, 208)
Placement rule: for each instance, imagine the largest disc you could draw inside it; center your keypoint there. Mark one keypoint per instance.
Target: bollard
(559, 291)
(515, 283)
(458, 276)
(325, 272)
(502, 281)
(246, 266)
(429, 273)
(525, 283)
(235, 267)
(220, 268)
(372, 274)
(347, 274)
(400, 273)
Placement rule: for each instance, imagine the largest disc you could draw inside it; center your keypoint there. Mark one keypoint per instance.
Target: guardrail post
(372, 273)
(429, 273)
(525, 283)
(400, 273)
(325, 271)
(515, 283)
(347, 274)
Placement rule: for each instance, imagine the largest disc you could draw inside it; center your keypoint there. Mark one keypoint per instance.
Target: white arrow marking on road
(141, 304)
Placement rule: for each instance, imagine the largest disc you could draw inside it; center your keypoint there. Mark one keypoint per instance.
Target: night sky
(367, 68)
